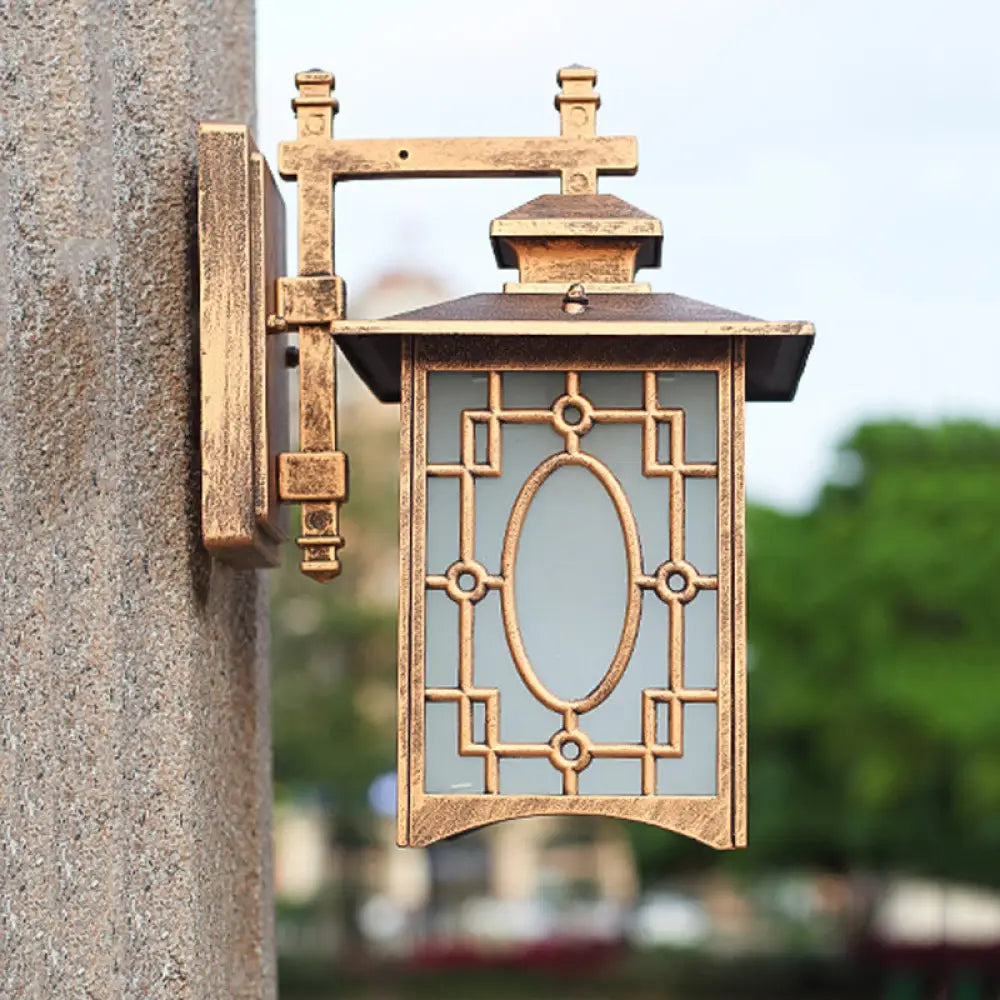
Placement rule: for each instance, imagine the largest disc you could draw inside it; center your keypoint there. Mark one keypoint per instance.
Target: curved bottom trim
(705, 818)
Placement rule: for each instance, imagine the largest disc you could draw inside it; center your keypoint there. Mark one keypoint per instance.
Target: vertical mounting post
(320, 540)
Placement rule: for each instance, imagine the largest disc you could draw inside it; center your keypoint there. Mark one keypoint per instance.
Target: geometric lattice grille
(672, 579)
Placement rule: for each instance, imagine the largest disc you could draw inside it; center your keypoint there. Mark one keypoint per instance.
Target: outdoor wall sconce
(571, 625)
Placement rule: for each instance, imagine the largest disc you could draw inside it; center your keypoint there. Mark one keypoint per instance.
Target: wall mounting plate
(241, 233)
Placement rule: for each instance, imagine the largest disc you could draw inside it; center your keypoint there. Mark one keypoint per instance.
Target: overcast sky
(829, 160)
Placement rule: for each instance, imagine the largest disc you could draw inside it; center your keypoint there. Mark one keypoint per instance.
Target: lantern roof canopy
(776, 351)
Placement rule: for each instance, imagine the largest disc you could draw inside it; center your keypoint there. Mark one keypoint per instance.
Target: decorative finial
(315, 105)
(577, 103)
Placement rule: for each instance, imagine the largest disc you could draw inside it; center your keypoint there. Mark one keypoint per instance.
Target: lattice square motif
(556, 528)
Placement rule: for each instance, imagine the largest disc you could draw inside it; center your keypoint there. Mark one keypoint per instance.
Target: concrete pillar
(134, 743)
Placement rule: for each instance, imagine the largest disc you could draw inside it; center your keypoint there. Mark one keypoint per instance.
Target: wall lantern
(571, 617)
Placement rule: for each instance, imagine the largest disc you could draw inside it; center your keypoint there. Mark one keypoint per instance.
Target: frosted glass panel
(522, 716)
(442, 528)
(570, 578)
(441, 645)
(525, 390)
(572, 583)
(612, 389)
(447, 772)
(696, 393)
(524, 446)
(695, 772)
(448, 393)
(619, 718)
(701, 640)
(663, 723)
(611, 777)
(529, 776)
(620, 447)
(701, 523)
(482, 438)
(478, 722)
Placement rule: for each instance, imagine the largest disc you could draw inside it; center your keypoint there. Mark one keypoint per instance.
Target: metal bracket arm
(315, 301)
(239, 231)
(576, 161)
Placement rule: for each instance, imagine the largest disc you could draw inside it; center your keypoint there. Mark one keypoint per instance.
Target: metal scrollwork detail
(675, 581)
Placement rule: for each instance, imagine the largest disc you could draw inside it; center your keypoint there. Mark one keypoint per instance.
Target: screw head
(575, 300)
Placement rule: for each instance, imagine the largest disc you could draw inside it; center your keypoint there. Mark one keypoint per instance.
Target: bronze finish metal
(718, 820)
(320, 540)
(596, 287)
(244, 382)
(577, 308)
(577, 104)
(312, 476)
(314, 302)
(577, 157)
(776, 351)
(736, 625)
(554, 240)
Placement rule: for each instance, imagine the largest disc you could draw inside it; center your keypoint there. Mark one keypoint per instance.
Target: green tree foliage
(875, 660)
(874, 685)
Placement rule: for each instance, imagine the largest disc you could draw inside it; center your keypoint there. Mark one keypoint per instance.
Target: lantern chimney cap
(597, 239)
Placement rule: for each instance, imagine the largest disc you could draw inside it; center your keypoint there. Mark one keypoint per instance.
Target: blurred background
(830, 161)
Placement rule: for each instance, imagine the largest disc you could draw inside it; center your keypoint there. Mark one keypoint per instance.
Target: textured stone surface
(134, 744)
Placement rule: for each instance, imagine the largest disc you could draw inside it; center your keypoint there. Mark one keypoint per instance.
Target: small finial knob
(575, 300)
(315, 104)
(577, 102)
